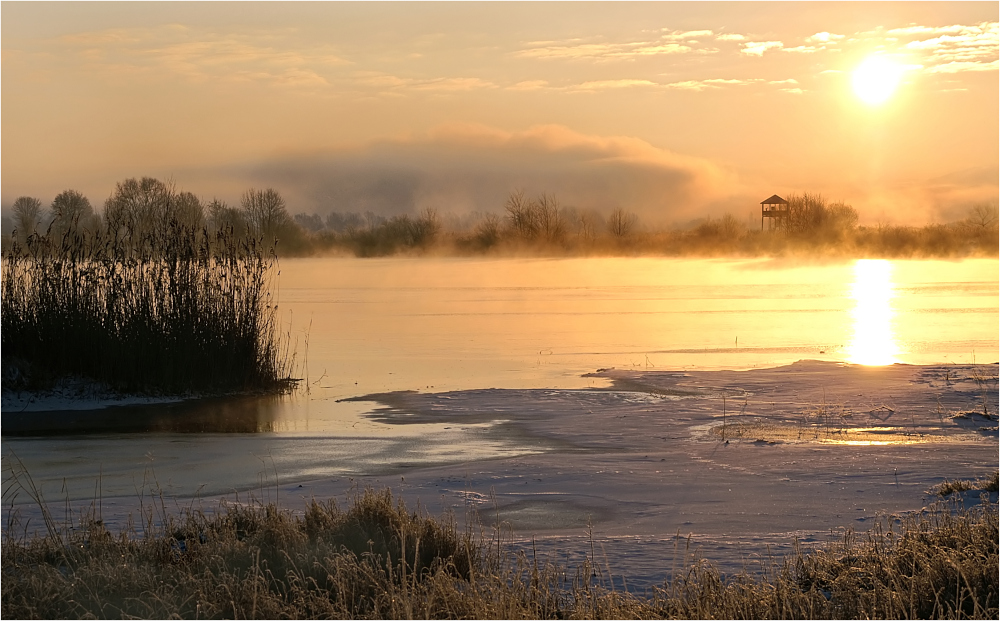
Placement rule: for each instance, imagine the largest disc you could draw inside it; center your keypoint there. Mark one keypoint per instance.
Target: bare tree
(187, 211)
(842, 216)
(589, 222)
(138, 206)
(621, 223)
(222, 217)
(348, 223)
(521, 215)
(587, 230)
(69, 212)
(550, 223)
(730, 227)
(806, 213)
(984, 216)
(426, 227)
(373, 220)
(488, 230)
(310, 222)
(810, 215)
(27, 216)
(265, 213)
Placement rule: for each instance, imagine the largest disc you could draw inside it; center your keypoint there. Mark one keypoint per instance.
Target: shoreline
(76, 397)
(799, 450)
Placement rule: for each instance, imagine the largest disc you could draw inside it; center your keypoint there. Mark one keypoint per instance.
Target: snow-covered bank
(74, 395)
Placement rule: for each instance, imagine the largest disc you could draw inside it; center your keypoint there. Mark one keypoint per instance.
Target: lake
(434, 325)
(443, 324)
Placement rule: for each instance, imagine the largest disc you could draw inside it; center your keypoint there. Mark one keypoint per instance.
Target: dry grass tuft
(989, 483)
(376, 559)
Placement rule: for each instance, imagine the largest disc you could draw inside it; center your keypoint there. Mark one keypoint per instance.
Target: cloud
(821, 41)
(392, 83)
(969, 42)
(202, 55)
(700, 85)
(730, 37)
(600, 85)
(716, 83)
(923, 30)
(959, 67)
(953, 49)
(529, 85)
(804, 49)
(452, 84)
(605, 51)
(757, 48)
(684, 35)
(467, 168)
(656, 50)
(669, 43)
(934, 49)
(825, 37)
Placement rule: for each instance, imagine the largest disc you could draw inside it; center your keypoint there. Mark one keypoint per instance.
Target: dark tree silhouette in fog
(27, 216)
(70, 212)
(137, 207)
(265, 213)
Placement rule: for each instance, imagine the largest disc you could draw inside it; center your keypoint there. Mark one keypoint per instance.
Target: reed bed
(168, 309)
(376, 559)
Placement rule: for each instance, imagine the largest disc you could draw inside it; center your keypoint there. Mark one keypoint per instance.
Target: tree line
(540, 224)
(139, 210)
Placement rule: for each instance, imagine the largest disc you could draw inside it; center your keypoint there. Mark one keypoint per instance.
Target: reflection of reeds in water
(169, 310)
(228, 414)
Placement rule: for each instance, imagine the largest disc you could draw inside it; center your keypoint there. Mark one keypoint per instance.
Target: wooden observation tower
(775, 208)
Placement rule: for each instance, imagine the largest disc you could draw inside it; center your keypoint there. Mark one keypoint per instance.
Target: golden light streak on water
(873, 442)
(873, 342)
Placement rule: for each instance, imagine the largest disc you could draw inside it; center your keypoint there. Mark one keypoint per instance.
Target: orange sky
(673, 110)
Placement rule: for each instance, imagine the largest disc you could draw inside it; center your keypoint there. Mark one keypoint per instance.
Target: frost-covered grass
(989, 483)
(377, 559)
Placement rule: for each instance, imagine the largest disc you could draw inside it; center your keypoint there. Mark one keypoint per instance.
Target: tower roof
(774, 200)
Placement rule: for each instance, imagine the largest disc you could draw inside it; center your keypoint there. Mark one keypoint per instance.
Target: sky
(673, 110)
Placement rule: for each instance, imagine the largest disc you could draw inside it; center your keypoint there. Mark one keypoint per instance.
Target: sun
(876, 79)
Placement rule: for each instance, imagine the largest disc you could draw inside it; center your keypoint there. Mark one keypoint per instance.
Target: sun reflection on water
(873, 342)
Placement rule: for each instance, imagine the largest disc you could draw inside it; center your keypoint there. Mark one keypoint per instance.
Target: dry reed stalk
(174, 311)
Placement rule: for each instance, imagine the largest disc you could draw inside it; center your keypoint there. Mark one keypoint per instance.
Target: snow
(735, 466)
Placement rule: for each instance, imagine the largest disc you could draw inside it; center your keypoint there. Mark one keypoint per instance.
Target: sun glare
(876, 79)
(873, 342)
